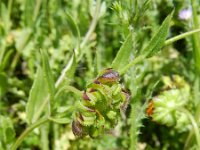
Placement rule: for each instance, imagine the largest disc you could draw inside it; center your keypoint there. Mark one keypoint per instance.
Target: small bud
(111, 115)
(77, 128)
(108, 76)
(98, 110)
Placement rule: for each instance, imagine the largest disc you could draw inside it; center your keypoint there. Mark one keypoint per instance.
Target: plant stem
(181, 36)
(196, 38)
(135, 61)
(194, 125)
(27, 131)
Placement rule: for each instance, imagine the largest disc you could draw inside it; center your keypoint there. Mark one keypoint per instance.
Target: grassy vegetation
(57, 93)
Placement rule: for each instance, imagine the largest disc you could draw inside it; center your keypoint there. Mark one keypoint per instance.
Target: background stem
(194, 125)
(27, 131)
(196, 38)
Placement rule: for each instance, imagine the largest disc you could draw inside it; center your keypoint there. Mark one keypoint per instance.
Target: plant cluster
(55, 92)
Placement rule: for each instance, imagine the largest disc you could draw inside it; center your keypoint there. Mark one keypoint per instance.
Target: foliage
(99, 74)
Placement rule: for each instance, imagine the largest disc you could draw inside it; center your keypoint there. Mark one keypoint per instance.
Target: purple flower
(185, 14)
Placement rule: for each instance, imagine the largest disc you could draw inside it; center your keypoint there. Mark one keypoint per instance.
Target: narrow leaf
(158, 39)
(3, 83)
(73, 25)
(71, 67)
(48, 75)
(37, 95)
(123, 54)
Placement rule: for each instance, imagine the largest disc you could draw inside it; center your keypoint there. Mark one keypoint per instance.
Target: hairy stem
(132, 63)
(27, 131)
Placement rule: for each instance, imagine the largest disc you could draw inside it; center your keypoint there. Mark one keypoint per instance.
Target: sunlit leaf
(73, 25)
(48, 75)
(123, 54)
(158, 39)
(37, 96)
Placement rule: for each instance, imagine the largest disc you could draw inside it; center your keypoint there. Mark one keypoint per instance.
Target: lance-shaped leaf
(47, 73)
(158, 39)
(123, 54)
(73, 26)
(37, 96)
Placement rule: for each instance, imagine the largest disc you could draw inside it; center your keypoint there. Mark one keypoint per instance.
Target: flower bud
(101, 104)
(165, 107)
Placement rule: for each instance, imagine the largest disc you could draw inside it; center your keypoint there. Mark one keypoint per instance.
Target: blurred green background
(26, 26)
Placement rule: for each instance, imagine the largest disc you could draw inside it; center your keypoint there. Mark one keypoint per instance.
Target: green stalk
(27, 131)
(132, 63)
(196, 53)
(134, 130)
(194, 125)
(196, 38)
(181, 36)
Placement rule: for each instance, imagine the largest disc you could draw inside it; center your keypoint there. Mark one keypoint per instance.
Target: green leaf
(47, 73)
(23, 38)
(4, 15)
(6, 59)
(60, 120)
(73, 26)
(68, 71)
(123, 54)
(7, 133)
(28, 12)
(158, 39)
(71, 67)
(3, 83)
(37, 96)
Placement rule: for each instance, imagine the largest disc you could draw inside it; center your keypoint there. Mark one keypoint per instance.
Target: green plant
(59, 47)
